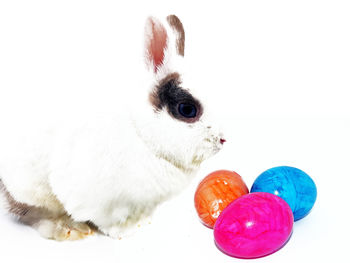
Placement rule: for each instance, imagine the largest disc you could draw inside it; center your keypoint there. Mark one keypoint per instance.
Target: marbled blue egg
(292, 184)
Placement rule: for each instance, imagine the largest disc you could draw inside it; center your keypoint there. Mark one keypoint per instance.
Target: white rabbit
(111, 171)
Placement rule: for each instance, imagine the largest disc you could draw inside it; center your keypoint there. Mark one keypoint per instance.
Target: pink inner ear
(157, 44)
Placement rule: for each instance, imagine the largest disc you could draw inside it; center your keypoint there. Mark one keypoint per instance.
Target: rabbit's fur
(112, 170)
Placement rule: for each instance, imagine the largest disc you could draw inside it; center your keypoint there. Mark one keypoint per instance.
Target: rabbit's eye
(187, 110)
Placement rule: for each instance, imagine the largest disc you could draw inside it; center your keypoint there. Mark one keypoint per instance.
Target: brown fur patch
(177, 26)
(14, 207)
(32, 215)
(26, 214)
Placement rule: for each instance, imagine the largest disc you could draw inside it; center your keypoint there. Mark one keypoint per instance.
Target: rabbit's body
(112, 170)
(97, 170)
(129, 179)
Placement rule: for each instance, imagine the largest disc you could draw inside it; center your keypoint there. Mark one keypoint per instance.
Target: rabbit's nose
(222, 140)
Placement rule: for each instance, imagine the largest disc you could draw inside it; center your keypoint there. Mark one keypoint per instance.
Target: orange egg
(215, 192)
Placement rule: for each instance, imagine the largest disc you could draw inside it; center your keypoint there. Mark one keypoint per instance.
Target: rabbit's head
(175, 125)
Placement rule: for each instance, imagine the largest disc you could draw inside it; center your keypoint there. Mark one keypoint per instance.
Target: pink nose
(222, 141)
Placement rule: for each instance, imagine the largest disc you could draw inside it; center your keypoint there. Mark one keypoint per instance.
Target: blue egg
(291, 184)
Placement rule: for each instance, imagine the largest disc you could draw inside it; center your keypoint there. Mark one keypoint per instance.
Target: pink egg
(254, 225)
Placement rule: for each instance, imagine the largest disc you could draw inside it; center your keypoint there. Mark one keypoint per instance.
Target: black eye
(187, 110)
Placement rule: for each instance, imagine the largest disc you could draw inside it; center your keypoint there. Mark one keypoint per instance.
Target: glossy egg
(292, 184)
(215, 192)
(253, 226)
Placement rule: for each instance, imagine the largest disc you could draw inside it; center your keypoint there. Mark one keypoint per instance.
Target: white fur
(110, 169)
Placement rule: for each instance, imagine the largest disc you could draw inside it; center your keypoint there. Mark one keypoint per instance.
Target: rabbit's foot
(118, 232)
(63, 228)
(127, 229)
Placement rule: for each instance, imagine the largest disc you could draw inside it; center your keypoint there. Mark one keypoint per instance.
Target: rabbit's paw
(120, 232)
(63, 228)
(113, 232)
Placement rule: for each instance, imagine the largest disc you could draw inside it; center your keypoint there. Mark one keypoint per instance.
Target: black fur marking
(170, 95)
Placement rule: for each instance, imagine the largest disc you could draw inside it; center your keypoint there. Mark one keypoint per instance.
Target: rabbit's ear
(179, 31)
(156, 42)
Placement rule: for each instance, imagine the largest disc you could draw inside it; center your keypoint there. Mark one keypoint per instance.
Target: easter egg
(253, 226)
(293, 185)
(215, 192)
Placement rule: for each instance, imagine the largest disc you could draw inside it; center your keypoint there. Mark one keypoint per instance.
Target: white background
(275, 73)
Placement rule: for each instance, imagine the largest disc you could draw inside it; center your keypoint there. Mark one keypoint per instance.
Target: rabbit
(109, 172)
